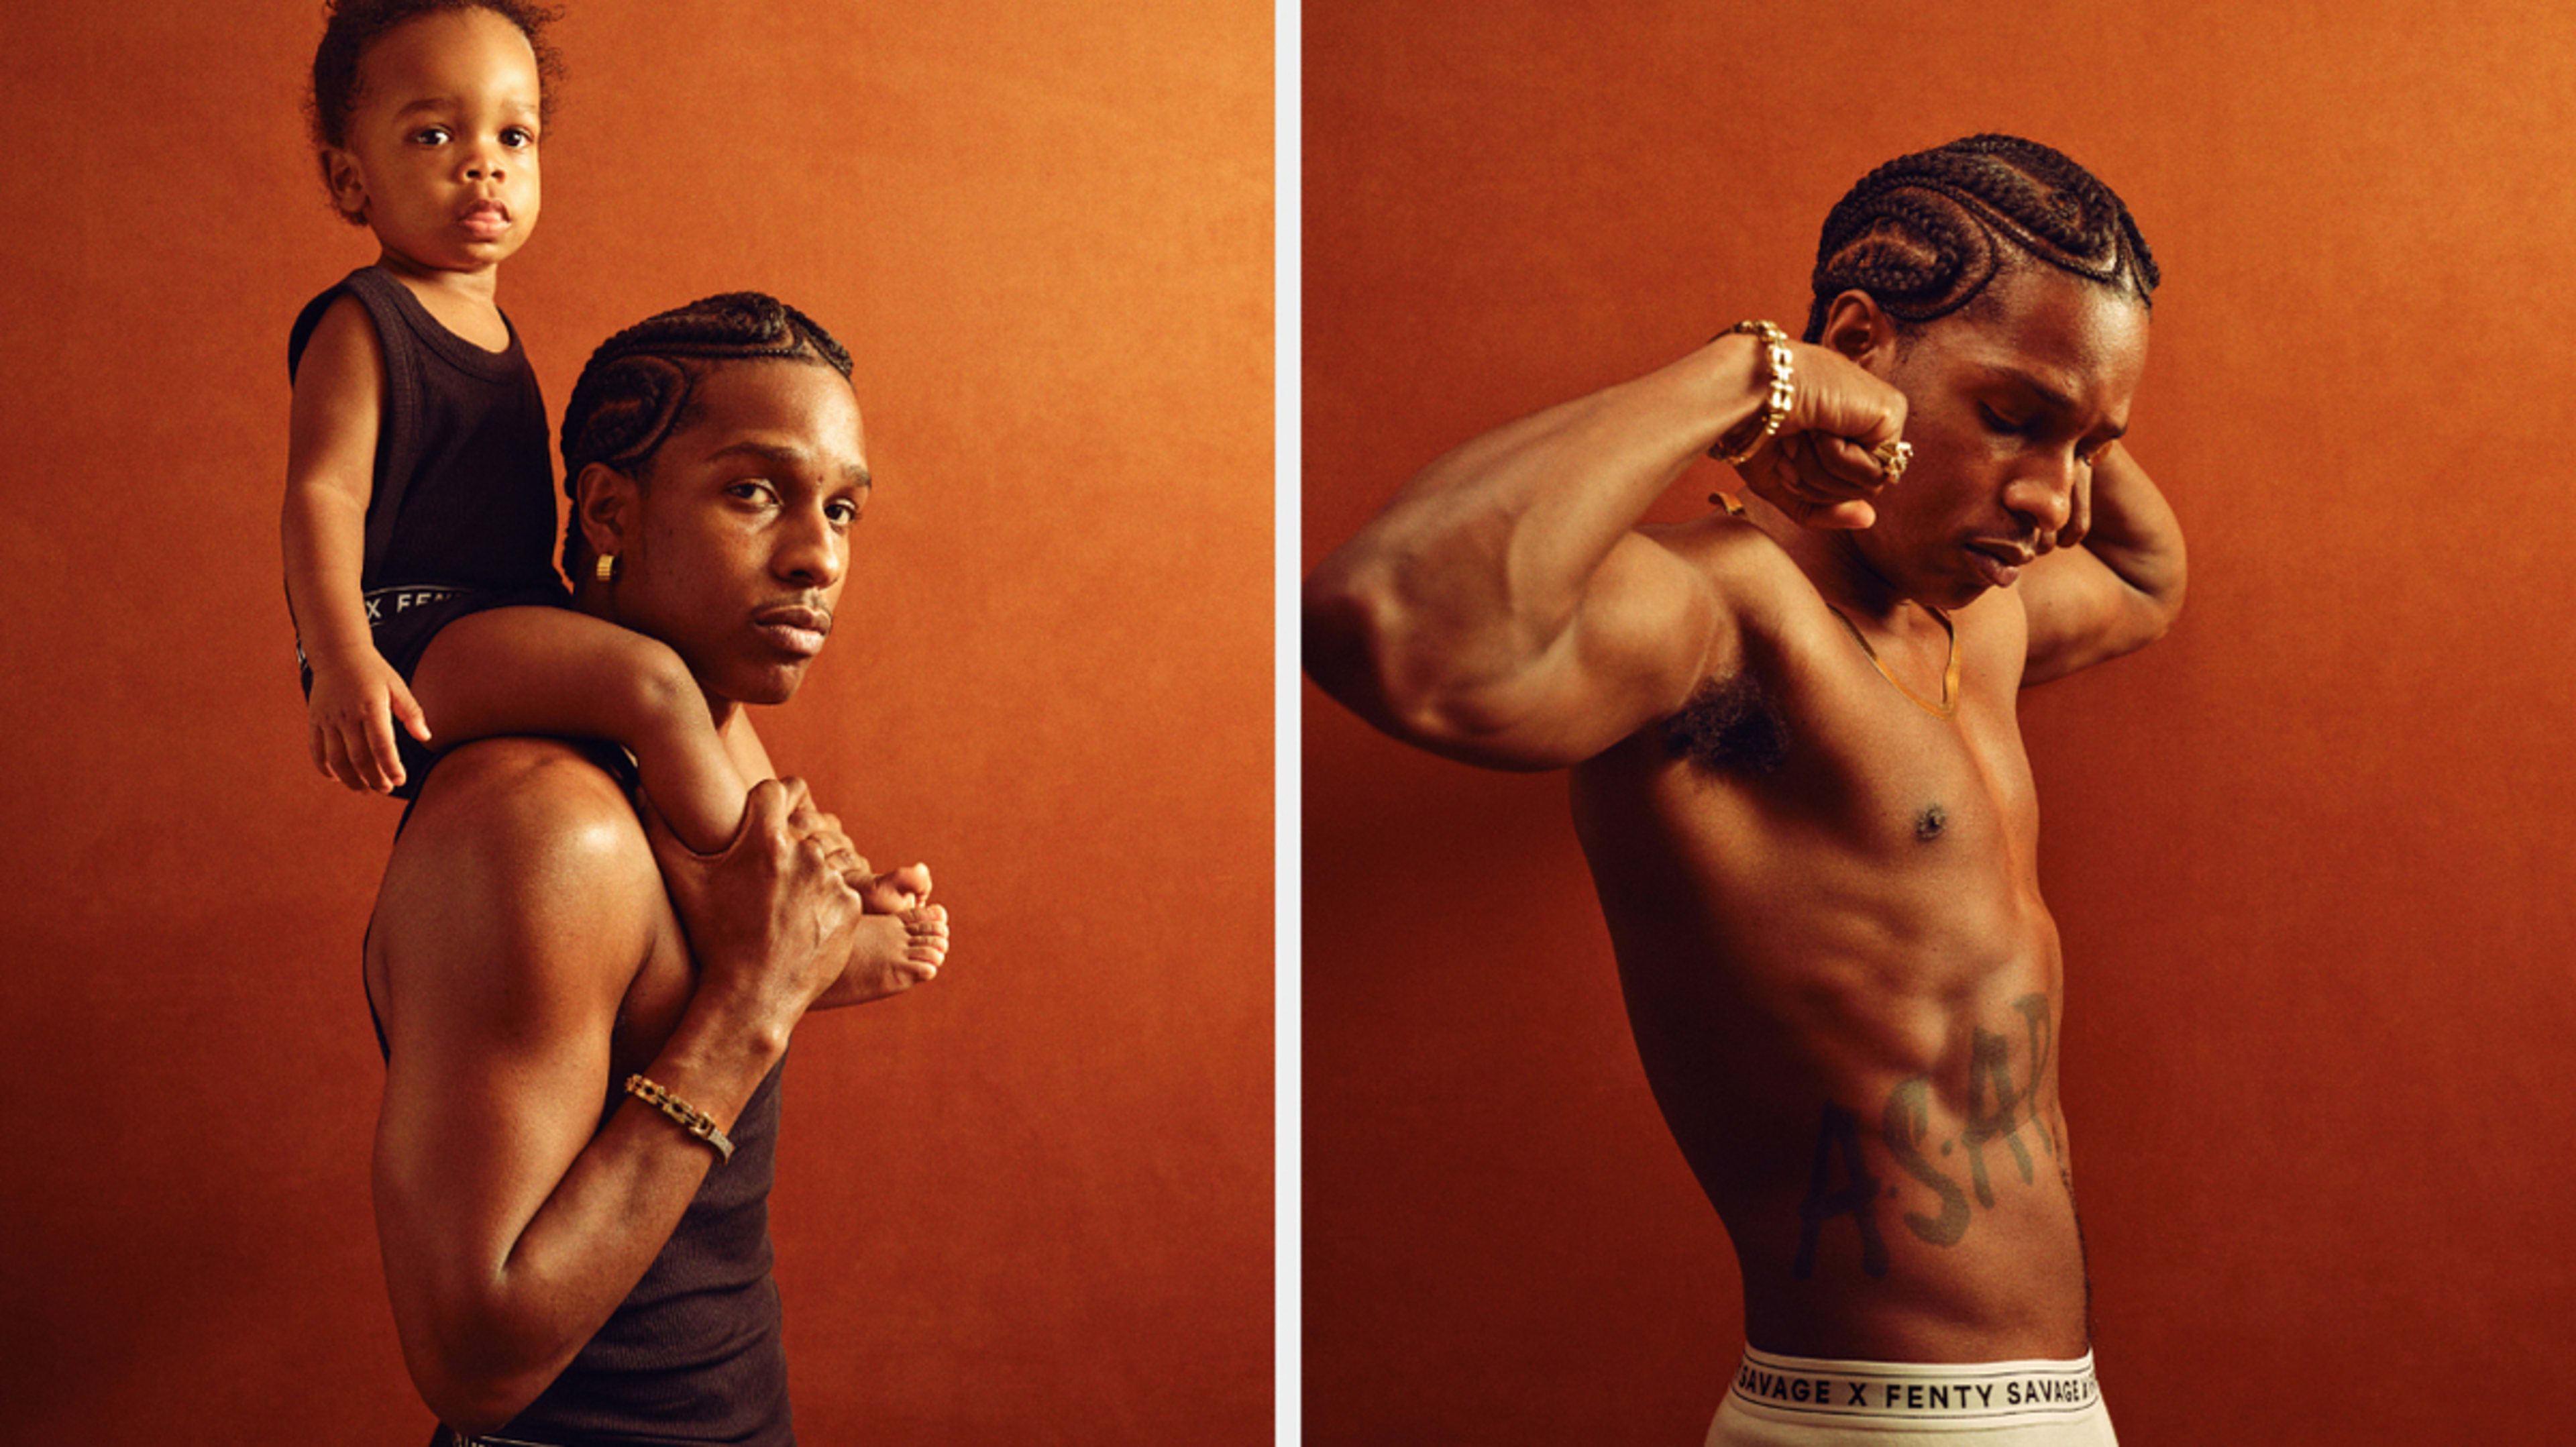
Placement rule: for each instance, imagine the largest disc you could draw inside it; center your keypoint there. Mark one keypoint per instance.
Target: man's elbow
(2164, 604)
(1360, 648)
(477, 1372)
(1351, 628)
(476, 1402)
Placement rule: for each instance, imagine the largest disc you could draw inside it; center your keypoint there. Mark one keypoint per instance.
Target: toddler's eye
(431, 135)
(518, 137)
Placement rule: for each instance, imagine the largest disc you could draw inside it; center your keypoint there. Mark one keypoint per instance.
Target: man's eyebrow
(2054, 398)
(781, 455)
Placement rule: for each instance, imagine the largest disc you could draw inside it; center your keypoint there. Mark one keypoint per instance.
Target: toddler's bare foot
(892, 892)
(891, 953)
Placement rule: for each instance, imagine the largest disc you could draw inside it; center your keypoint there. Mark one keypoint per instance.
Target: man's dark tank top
(695, 1353)
(464, 489)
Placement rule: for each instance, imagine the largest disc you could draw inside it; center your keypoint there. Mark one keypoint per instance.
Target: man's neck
(1832, 560)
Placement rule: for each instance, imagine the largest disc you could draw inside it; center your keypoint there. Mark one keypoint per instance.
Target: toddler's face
(442, 152)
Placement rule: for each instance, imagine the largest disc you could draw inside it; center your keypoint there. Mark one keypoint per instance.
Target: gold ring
(1893, 458)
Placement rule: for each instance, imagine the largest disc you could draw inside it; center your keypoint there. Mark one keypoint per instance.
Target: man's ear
(348, 184)
(1859, 328)
(604, 499)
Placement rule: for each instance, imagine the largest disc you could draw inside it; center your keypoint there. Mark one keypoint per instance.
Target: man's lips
(1998, 563)
(795, 627)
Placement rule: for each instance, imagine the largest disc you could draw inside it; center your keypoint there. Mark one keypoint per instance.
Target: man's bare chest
(1843, 752)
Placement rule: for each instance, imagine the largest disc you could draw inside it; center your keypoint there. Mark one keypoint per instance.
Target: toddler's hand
(351, 718)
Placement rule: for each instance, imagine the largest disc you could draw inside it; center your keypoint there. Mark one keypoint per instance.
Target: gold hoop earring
(605, 570)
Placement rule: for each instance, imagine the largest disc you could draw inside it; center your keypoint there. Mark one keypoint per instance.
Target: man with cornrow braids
(1797, 774)
(581, 1100)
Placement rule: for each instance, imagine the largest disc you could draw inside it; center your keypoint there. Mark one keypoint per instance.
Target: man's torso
(1843, 982)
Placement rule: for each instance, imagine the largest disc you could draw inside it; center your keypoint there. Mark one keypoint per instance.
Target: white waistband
(1988, 1392)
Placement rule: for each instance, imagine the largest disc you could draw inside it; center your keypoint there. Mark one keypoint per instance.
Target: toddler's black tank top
(464, 489)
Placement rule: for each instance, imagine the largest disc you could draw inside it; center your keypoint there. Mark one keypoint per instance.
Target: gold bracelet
(691, 1119)
(1775, 406)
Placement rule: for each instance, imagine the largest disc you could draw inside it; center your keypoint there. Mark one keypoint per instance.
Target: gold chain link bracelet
(689, 1118)
(1775, 405)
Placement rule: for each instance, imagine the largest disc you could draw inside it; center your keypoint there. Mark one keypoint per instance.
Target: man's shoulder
(521, 899)
(1755, 582)
(1735, 555)
(534, 788)
(526, 822)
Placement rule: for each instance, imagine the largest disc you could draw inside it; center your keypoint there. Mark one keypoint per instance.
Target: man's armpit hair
(1730, 725)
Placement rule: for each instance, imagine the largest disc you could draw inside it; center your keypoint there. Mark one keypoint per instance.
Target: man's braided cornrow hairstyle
(635, 390)
(1926, 234)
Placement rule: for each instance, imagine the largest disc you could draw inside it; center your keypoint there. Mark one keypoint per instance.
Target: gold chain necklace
(1949, 676)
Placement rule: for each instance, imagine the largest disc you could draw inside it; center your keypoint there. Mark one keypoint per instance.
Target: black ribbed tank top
(464, 486)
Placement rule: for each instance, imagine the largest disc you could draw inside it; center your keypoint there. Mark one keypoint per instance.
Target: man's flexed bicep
(1646, 628)
(1505, 610)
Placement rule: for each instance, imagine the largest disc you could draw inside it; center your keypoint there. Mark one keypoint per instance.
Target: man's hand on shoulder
(770, 920)
(901, 942)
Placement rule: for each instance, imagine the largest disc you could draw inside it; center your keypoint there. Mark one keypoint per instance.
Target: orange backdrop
(1028, 1204)
(2312, 854)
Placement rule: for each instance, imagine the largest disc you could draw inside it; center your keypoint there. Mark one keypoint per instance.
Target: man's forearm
(2135, 533)
(2117, 592)
(482, 1347)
